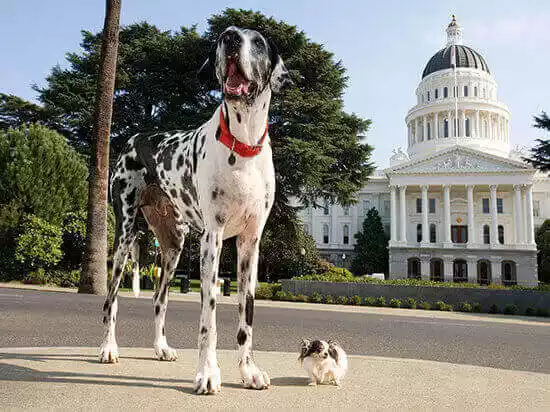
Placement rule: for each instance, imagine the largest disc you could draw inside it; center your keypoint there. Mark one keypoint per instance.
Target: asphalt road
(33, 318)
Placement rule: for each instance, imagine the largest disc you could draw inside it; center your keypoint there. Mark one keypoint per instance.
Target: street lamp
(303, 253)
(343, 263)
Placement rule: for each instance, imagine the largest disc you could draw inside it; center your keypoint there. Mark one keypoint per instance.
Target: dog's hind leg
(135, 267)
(248, 252)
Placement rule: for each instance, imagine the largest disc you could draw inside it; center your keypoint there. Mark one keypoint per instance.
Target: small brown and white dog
(323, 360)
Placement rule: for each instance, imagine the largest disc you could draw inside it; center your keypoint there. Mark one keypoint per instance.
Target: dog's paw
(312, 383)
(208, 381)
(165, 353)
(254, 378)
(108, 353)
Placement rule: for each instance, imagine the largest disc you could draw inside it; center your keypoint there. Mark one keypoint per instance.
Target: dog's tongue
(235, 84)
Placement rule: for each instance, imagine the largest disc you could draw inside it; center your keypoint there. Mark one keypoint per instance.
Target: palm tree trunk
(94, 269)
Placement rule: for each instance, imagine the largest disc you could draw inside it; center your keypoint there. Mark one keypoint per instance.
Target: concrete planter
(523, 299)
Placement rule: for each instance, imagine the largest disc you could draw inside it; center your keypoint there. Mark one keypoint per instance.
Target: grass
(196, 286)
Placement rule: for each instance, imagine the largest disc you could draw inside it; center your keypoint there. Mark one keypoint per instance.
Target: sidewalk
(72, 379)
(232, 300)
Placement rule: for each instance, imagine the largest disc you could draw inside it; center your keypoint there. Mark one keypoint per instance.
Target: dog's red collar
(242, 149)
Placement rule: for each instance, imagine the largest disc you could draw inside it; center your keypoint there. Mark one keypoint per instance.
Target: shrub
(36, 277)
(531, 311)
(494, 308)
(425, 305)
(510, 309)
(440, 305)
(369, 301)
(266, 291)
(301, 298)
(355, 300)
(543, 312)
(39, 244)
(464, 307)
(395, 303)
(74, 239)
(64, 278)
(476, 307)
(329, 300)
(316, 298)
(279, 295)
(342, 300)
(380, 301)
(410, 303)
(334, 274)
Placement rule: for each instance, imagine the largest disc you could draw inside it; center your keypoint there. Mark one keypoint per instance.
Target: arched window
(445, 92)
(419, 232)
(436, 93)
(433, 237)
(436, 270)
(486, 235)
(346, 235)
(446, 128)
(413, 266)
(326, 208)
(509, 273)
(429, 132)
(460, 270)
(465, 91)
(306, 229)
(467, 127)
(475, 91)
(325, 233)
(484, 93)
(346, 210)
(501, 234)
(428, 95)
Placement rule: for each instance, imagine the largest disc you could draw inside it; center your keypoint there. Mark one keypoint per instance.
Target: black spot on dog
(106, 305)
(266, 204)
(162, 175)
(240, 308)
(189, 214)
(208, 385)
(333, 353)
(180, 162)
(203, 140)
(118, 272)
(195, 154)
(249, 309)
(204, 330)
(214, 194)
(132, 164)
(220, 219)
(241, 337)
(104, 320)
(245, 264)
(207, 237)
(173, 193)
(157, 309)
(239, 117)
(218, 133)
(185, 198)
(212, 303)
(264, 106)
(163, 334)
(167, 160)
(131, 197)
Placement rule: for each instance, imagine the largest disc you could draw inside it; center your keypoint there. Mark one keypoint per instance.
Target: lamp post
(343, 263)
(303, 253)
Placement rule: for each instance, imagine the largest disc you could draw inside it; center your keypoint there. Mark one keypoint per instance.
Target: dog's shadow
(290, 381)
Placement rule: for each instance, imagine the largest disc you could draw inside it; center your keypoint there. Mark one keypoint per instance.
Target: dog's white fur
(181, 179)
(323, 361)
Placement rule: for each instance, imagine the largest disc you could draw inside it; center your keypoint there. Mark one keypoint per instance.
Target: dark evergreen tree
(371, 249)
(542, 238)
(540, 154)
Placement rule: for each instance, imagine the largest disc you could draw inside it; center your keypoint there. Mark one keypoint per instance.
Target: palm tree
(94, 269)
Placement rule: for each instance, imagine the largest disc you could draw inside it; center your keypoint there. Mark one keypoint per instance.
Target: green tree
(39, 244)
(540, 154)
(15, 112)
(542, 238)
(371, 249)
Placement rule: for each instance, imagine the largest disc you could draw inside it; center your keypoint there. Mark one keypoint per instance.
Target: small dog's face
(317, 349)
(245, 64)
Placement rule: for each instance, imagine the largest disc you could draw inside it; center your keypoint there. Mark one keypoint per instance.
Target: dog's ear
(207, 72)
(332, 349)
(304, 348)
(280, 78)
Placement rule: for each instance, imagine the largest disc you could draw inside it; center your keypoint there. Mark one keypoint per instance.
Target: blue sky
(384, 45)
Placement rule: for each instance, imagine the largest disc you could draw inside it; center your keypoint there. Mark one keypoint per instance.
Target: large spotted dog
(218, 179)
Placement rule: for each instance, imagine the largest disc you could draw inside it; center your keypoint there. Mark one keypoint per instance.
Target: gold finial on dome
(453, 21)
(454, 32)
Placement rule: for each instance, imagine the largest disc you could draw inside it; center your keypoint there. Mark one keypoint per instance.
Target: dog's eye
(259, 43)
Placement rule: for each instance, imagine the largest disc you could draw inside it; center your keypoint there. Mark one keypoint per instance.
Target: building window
(346, 234)
(429, 132)
(501, 234)
(455, 91)
(465, 91)
(418, 205)
(387, 230)
(432, 233)
(413, 268)
(484, 93)
(500, 205)
(422, 98)
(460, 270)
(436, 93)
(459, 234)
(445, 92)
(475, 91)
(325, 233)
(419, 232)
(428, 95)
(431, 205)
(509, 273)
(536, 208)
(436, 270)
(366, 206)
(346, 210)
(485, 203)
(326, 208)
(306, 229)
(387, 208)
(467, 127)
(486, 235)
(446, 128)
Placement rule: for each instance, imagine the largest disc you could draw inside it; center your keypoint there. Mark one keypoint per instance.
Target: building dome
(465, 57)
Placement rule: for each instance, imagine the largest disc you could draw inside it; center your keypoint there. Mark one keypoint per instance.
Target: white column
(425, 127)
(417, 126)
(393, 218)
(490, 120)
(518, 214)
(494, 215)
(472, 269)
(448, 269)
(496, 276)
(471, 229)
(403, 213)
(409, 134)
(436, 125)
(425, 269)
(476, 128)
(425, 227)
(530, 239)
(447, 212)
(462, 127)
(450, 123)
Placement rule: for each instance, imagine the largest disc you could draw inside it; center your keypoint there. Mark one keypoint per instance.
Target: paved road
(32, 318)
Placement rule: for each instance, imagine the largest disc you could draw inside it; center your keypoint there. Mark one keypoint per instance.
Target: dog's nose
(325, 355)
(231, 40)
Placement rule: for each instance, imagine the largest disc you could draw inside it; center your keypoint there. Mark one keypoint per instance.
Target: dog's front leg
(248, 252)
(208, 378)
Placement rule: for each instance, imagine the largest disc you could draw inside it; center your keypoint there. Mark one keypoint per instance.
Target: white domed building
(459, 205)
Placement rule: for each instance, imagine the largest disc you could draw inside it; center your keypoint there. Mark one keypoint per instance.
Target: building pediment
(460, 160)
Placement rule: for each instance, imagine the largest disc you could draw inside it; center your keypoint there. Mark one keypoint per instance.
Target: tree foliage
(371, 249)
(39, 244)
(542, 238)
(540, 154)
